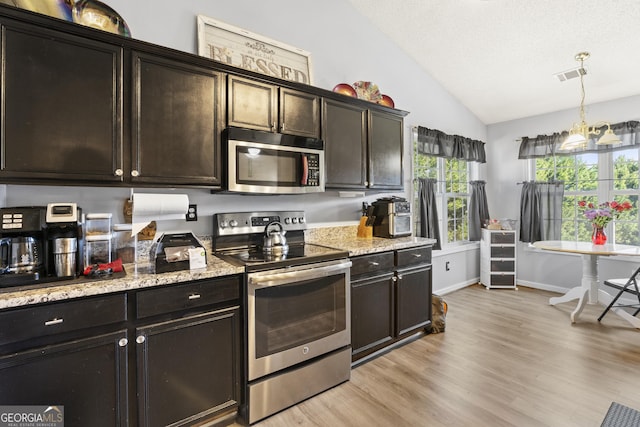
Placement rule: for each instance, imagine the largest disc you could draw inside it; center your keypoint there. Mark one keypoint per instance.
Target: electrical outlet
(192, 213)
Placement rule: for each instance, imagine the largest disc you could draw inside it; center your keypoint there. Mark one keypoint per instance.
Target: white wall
(553, 271)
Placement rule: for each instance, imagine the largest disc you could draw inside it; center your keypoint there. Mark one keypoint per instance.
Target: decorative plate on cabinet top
(367, 91)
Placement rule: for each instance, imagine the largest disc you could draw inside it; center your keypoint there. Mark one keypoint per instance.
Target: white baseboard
(625, 299)
(456, 287)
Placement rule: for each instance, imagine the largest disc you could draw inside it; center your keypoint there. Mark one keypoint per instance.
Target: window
(453, 176)
(596, 178)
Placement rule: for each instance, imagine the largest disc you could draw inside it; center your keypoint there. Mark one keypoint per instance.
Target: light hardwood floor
(507, 358)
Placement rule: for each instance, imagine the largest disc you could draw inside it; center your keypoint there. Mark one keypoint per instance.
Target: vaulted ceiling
(499, 57)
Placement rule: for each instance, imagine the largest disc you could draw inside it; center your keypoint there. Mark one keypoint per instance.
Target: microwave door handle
(304, 160)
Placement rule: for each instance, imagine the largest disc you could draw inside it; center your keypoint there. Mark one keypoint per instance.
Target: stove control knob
(294, 220)
(301, 220)
(223, 224)
(287, 220)
(233, 223)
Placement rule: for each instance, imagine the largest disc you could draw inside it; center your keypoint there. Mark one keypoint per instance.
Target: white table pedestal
(589, 287)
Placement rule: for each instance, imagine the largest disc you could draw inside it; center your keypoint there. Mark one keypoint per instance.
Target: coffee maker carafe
(22, 239)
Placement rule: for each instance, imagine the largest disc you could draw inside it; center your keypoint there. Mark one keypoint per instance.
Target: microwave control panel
(311, 172)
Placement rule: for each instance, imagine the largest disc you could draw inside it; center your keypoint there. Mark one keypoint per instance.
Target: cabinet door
(87, 376)
(385, 151)
(413, 295)
(62, 107)
(299, 113)
(372, 314)
(252, 105)
(177, 122)
(345, 137)
(188, 369)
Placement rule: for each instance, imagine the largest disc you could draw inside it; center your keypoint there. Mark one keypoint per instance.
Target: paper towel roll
(157, 207)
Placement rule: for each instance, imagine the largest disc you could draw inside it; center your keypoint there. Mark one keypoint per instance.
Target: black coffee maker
(23, 256)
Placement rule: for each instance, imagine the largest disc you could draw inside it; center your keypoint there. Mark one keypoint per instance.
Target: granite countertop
(82, 287)
(344, 238)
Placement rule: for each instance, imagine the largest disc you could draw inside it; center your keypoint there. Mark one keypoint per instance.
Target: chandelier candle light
(579, 133)
(601, 215)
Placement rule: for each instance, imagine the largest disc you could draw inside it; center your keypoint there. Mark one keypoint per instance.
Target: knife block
(364, 230)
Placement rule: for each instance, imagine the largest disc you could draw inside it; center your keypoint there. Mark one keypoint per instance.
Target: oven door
(264, 168)
(296, 314)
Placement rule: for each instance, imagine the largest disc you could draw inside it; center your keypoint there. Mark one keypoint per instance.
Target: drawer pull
(375, 264)
(417, 255)
(53, 322)
(194, 296)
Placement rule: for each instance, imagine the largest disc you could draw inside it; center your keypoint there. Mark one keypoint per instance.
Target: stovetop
(255, 259)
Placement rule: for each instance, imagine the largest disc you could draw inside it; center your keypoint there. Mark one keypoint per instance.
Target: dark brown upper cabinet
(178, 117)
(345, 135)
(61, 107)
(385, 151)
(266, 107)
(363, 147)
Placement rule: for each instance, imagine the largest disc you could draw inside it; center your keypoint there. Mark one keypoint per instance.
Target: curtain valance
(549, 145)
(433, 142)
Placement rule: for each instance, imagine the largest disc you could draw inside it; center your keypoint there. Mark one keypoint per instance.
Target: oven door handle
(263, 280)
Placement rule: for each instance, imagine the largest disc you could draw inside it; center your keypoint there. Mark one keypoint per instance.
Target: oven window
(267, 167)
(291, 315)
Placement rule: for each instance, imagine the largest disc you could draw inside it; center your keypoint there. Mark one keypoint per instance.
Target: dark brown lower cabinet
(188, 369)
(390, 299)
(87, 376)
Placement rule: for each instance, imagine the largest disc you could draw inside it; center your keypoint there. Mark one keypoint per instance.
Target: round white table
(589, 285)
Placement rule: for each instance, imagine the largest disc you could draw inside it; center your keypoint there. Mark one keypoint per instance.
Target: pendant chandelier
(579, 133)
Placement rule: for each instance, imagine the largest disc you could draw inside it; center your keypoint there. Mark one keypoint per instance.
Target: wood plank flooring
(507, 358)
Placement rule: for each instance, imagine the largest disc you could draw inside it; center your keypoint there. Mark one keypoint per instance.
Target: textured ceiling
(499, 57)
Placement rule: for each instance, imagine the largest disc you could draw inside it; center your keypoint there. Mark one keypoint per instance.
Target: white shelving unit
(498, 259)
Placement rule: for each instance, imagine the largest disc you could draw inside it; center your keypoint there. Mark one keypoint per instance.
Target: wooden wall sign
(234, 46)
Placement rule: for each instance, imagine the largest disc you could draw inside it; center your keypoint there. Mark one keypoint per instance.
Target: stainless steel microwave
(273, 163)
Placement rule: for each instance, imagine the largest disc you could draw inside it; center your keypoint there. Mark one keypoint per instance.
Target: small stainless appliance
(298, 321)
(22, 239)
(272, 163)
(65, 240)
(391, 217)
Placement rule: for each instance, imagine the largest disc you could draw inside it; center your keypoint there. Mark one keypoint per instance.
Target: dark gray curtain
(433, 142)
(478, 209)
(541, 211)
(428, 211)
(549, 145)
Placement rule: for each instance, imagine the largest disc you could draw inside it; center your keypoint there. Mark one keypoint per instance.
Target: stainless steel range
(297, 297)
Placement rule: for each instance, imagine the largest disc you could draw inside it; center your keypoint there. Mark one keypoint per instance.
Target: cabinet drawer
(371, 263)
(419, 255)
(191, 295)
(503, 252)
(503, 266)
(503, 280)
(501, 237)
(32, 322)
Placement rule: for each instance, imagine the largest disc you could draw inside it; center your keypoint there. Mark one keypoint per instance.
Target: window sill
(452, 249)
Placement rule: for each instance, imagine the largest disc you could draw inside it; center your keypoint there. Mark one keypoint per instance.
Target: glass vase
(598, 237)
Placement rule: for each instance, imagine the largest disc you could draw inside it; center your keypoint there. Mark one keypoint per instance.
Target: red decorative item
(345, 89)
(386, 101)
(598, 237)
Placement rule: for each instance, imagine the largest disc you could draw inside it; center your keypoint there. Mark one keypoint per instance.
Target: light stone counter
(58, 291)
(345, 238)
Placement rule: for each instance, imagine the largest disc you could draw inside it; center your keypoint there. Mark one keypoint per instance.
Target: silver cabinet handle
(135, 173)
(374, 263)
(282, 128)
(274, 127)
(417, 255)
(399, 276)
(55, 321)
(118, 172)
(123, 342)
(140, 339)
(194, 296)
